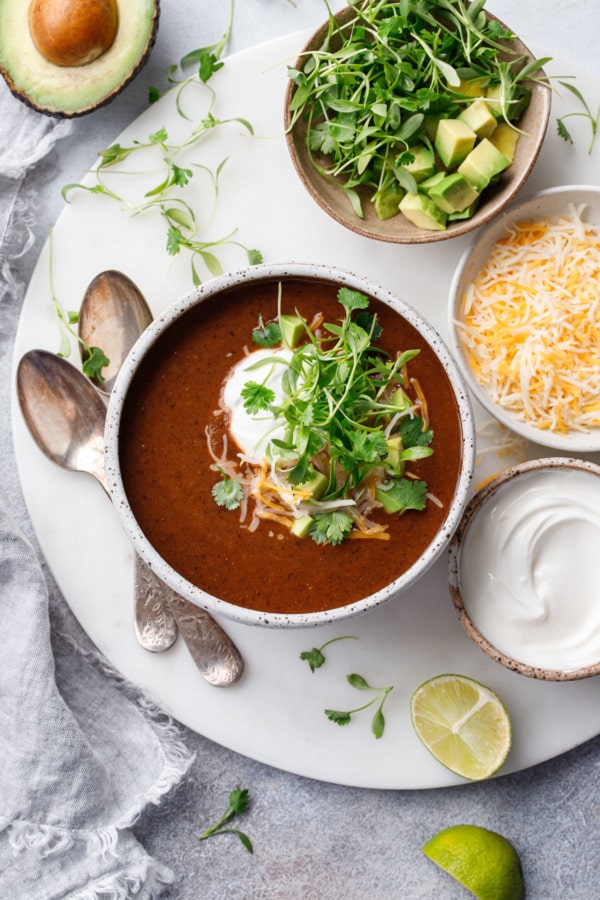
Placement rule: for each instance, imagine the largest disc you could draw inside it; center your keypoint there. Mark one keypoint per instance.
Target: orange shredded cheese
(531, 323)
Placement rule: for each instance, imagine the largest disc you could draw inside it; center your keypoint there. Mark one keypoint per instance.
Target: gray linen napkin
(81, 752)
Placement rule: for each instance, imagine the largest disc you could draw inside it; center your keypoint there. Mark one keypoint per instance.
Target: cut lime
(484, 862)
(463, 724)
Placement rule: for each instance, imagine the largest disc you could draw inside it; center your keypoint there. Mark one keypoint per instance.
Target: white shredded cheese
(531, 323)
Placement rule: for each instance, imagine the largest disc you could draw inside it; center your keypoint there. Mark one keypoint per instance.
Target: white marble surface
(315, 840)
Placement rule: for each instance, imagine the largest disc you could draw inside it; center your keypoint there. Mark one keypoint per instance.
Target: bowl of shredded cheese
(525, 318)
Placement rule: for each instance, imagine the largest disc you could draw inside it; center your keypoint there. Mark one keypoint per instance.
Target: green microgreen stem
(586, 113)
(177, 213)
(94, 359)
(238, 803)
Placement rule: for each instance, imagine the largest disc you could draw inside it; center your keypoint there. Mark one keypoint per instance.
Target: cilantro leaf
(338, 716)
(238, 803)
(94, 361)
(368, 321)
(331, 528)
(411, 430)
(401, 494)
(174, 240)
(268, 335)
(228, 493)
(352, 299)
(314, 657)
(257, 397)
(180, 176)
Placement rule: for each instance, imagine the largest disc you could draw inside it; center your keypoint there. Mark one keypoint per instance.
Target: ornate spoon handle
(161, 614)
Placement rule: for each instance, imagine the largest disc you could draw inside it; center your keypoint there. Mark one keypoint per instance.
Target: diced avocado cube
(473, 87)
(387, 200)
(423, 165)
(425, 186)
(480, 118)
(301, 526)
(454, 193)
(422, 212)
(316, 484)
(400, 400)
(482, 164)
(393, 462)
(508, 101)
(505, 139)
(495, 97)
(292, 330)
(430, 124)
(466, 213)
(453, 141)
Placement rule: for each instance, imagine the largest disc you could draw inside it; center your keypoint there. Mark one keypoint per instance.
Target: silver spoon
(113, 315)
(65, 416)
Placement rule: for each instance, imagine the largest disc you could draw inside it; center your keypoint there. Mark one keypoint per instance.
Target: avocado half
(68, 91)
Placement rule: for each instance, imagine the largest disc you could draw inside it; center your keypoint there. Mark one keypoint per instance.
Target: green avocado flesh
(74, 90)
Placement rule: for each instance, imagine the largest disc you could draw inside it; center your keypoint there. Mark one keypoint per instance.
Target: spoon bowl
(113, 314)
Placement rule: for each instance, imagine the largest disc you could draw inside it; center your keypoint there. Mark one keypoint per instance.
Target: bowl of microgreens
(289, 445)
(411, 122)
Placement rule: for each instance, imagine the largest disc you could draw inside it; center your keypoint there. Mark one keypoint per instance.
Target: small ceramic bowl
(331, 198)
(523, 571)
(241, 291)
(553, 202)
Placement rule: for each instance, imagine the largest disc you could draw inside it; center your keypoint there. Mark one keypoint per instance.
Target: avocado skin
(57, 113)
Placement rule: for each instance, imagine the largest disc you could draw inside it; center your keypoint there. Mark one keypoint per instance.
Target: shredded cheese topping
(531, 323)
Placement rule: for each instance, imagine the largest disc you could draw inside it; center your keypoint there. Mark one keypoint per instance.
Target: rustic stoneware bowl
(252, 276)
(485, 618)
(547, 203)
(533, 124)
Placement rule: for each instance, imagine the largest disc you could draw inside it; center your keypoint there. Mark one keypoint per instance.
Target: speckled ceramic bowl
(331, 198)
(551, 202)
(253, 276)
(536, 549)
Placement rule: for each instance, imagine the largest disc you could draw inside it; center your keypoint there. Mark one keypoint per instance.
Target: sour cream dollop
(530, 568)
(253, 432)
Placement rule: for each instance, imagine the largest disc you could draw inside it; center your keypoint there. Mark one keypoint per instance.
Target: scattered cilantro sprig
(343, 717)
(238, 804)
(315, 656)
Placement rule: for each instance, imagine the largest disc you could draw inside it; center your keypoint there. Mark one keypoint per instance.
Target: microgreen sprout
(238, 803)
(315, 656)
(166, 197)
(586, 113)
(343, 717)
(93, 358)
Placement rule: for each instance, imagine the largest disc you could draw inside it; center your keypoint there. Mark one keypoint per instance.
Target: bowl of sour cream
(523, 569)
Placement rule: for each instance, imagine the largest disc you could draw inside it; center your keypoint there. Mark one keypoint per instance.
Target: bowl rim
(420, 235)
(533, 205)
(272, 272)
(476, 504)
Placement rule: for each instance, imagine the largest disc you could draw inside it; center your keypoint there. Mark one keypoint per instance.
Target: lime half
(463, 724)
(484, 862)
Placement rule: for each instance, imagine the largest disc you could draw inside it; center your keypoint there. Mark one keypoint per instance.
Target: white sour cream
(252, 433)
(530, 569)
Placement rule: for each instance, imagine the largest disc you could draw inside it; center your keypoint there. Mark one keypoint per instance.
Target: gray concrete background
(316, 840)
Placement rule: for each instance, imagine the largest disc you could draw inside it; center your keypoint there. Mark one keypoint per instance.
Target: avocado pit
(73, 32)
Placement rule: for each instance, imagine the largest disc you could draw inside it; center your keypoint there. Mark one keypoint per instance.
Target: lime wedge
(483, 861)
(463, 724)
